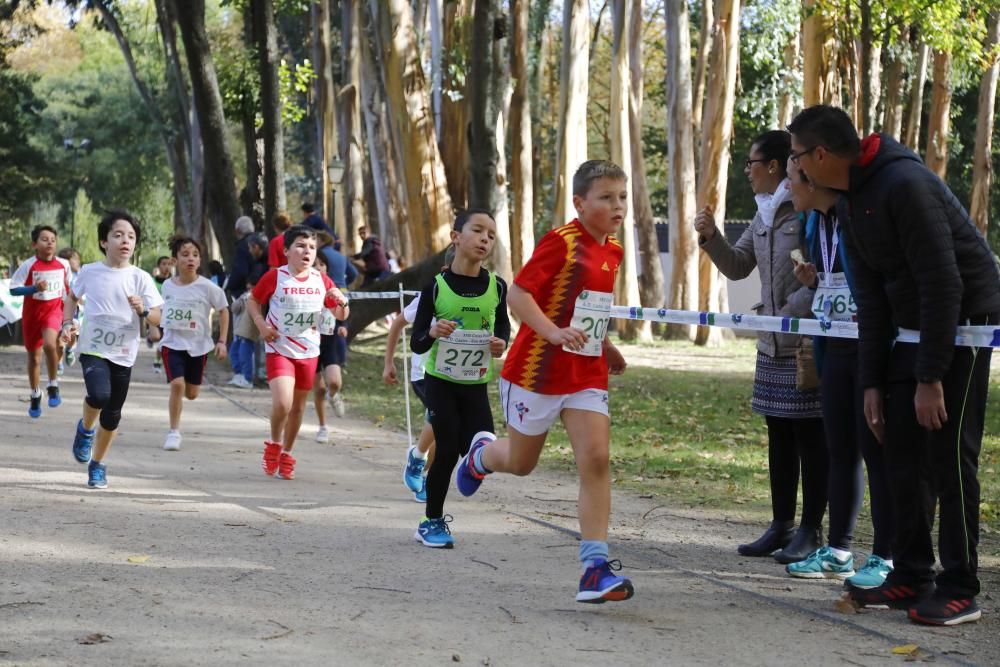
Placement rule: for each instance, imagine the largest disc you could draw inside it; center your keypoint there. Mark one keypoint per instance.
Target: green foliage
(766, 28)
(83, 228)
(294, 83)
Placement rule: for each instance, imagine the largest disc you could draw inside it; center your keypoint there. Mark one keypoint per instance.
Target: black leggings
(850, 440)
(789, 442)
(457, 412)
(107, 388)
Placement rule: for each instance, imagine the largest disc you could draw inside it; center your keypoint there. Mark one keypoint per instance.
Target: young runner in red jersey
(558, 366)
(296, 295)
(43, 280)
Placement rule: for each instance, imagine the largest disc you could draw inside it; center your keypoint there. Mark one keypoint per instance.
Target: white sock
(419, 454)
(173, 431)
(36, 392)
(840, 553)
(53, 383)
(888, 561)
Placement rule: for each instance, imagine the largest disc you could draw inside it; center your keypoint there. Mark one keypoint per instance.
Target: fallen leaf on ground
(905, 649)
(846, 605)
(138, 559)
(94, 638)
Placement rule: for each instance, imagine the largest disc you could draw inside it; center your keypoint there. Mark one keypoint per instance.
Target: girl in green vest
(462, 325)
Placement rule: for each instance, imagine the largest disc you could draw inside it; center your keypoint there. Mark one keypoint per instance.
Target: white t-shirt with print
(186, 310)
(111, 328)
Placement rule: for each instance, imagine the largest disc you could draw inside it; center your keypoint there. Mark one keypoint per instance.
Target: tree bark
(221, 180)
(868, 78)
(819, 72)
(681, 170)
(982, 166)
(522, 232)
(894, 84)
(326, 110)
(717, 135)
(701, 62)
(790, 59)
(573, 93)
(429, 212)
(350, 148)
(266, 32)
(916, 102)
(939, 118)
(437, 53)
(454, 114)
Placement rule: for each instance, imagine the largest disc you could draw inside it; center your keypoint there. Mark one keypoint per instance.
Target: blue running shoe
(822, 564)
(97, 475)
(467, 478)
(413, 471)
(35, 409)
(435, 533)
(54, 400)
(872, 575)
(599, 585)
(421, 495)
(83, 443)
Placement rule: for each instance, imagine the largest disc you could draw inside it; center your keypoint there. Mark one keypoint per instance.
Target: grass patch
(684, 432)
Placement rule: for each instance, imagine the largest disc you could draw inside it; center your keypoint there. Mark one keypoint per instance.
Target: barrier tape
(967, 336)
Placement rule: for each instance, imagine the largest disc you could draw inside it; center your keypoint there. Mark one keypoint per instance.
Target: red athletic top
(276, 252)
(567, 261)
(55, 272)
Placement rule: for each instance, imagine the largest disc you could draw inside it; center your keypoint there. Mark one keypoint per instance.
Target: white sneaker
(241, 382)
(323, 435)
(235, 379)
(337, 402)
(173, 441)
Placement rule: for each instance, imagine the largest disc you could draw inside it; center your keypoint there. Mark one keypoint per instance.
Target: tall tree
(982, 168)
(350, 143)
(916, 102)
(627, 289)
(224, 202)
(429, 206)
(573, 94)
(717, 128)
(819, 72)
(701, 62)
(680, 160)
(651, 271)
(268, 60)
(939, 117)
(522, 241)
(326, 109)
(454, 138)
(895, 81)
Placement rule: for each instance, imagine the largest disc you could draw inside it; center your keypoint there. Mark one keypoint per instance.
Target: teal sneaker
(435, 533)
(413, 471)
(421, 495)
(872, 575)
(97, 475)
(822, 564)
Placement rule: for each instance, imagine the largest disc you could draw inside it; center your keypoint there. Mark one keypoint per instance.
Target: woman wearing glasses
(793, 415)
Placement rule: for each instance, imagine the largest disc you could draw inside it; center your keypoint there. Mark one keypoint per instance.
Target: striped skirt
(774, 392)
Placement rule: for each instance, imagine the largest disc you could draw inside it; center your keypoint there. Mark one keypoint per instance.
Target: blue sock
(591, 550)
(477, 462)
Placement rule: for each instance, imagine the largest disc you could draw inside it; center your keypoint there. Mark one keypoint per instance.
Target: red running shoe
(272, 452)
(286, 466)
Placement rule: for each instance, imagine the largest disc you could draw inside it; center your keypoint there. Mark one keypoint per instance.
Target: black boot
(806, 540)
(775, 537)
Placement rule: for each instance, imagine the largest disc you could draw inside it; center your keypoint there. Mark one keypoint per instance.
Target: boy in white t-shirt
(119, 295)
(296, 295)
(187, 330)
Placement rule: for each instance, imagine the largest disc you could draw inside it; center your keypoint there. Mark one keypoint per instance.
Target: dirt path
(231, 567)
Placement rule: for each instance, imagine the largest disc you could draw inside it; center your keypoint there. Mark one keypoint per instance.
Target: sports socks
(477, 462)
(591, 550)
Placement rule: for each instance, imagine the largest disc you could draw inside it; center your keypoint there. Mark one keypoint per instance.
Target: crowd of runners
(846, 229)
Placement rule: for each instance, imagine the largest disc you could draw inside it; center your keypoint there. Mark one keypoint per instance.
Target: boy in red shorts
(43, 280)
(558, 366)
(296, 295)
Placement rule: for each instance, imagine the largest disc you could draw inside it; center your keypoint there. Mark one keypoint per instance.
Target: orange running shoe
(272, 452)
(286, 466)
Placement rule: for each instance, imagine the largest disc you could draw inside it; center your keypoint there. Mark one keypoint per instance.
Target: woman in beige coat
(794, 417)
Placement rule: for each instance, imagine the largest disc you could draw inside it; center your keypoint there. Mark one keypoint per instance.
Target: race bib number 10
(464, 355)
(591, 315)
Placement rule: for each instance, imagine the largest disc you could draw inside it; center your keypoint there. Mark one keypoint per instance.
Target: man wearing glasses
(919, 263)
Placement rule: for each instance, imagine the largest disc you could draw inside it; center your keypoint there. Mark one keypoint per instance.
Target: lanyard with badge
(833, 302)
(464, 355)
(591, 315)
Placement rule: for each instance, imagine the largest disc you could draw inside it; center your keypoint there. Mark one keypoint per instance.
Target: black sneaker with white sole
(939, 609)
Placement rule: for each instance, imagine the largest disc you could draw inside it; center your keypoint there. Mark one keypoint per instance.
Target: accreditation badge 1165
(591, 315)
(464, 355)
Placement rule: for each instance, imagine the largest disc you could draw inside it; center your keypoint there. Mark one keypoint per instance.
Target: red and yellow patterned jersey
(567, 261)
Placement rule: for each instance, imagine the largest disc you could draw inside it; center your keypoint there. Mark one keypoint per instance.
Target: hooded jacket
(917, 260)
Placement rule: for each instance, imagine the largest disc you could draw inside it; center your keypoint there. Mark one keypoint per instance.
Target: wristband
(144, 314)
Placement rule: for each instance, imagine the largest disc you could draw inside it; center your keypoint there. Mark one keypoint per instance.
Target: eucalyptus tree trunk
(573, 93)
(982, 167)
(819, 47)
(221, 181)
(351, 148)
(522, 233)
(453, 138)
(895, 81)
(786, 101)
(701, 63)
(939, 117)
(916, 102)
(326, 110)
(680, 160)
(717, 128)
(266, 32)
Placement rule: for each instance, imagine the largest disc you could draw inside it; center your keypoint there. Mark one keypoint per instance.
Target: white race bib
(108, 336)
(833, 301)
(327, 323)
(53, 284)
(185, 315)
(591, 315)
(296, 314)
(464, 355)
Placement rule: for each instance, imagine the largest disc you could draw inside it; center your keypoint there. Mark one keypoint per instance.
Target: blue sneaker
(35, 409)
(54, 399)
(421, 495)
(97, 475)
(413, 471)
(872, 575)
(822, 564)
(598, 585)
(435, 533)
(83, 443)
(467, 478)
